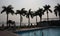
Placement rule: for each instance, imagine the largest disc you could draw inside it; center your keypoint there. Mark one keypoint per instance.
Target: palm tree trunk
(9, 24)
(29, 21)
(36, 19)
(47, 16)
(7, 20)
(20, 20)
(40, 19)
(59, 17)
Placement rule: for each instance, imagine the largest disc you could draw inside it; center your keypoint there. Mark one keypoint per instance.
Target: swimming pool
(43, 32)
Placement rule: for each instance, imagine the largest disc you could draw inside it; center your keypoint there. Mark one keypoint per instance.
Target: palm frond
(24, 12)
(22, 9)
(46, 7)
(4, 7)
(3, 11)
(18, 12)
(50, 10)
(27, 15)
(10, 7)
(12, 12)
(44, 10)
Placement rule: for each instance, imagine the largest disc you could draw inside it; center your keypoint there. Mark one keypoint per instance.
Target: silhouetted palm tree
(29, 13)
(8, 9)
(21, 12)
(35, 14)
(57, 10)
(9, 22)
(40, 13)
(13, 23)
(14, 27)
(47, 8)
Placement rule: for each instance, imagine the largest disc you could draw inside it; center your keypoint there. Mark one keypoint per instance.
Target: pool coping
(37, 28)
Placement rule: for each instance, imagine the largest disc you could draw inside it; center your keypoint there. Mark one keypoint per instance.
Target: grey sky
(27, 4)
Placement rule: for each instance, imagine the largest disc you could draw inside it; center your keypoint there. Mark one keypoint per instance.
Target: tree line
(9, 9)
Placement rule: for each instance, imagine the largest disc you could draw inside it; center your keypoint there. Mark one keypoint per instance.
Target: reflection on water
(34, 33)
(44, 32)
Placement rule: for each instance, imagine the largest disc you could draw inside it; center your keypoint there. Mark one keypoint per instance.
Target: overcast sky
(27, 4)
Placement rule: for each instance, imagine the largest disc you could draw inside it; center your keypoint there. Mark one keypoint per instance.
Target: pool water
(43, 32)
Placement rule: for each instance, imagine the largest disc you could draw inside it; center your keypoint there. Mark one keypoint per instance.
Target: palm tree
(40, 13)
(14, 26)
(35, 14)
(8, 9)
(21, 12)
(29, 13)
(9, 22)
(47, 8)
(57, 10)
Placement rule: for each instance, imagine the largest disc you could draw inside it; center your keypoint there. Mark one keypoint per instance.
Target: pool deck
(7, 33)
